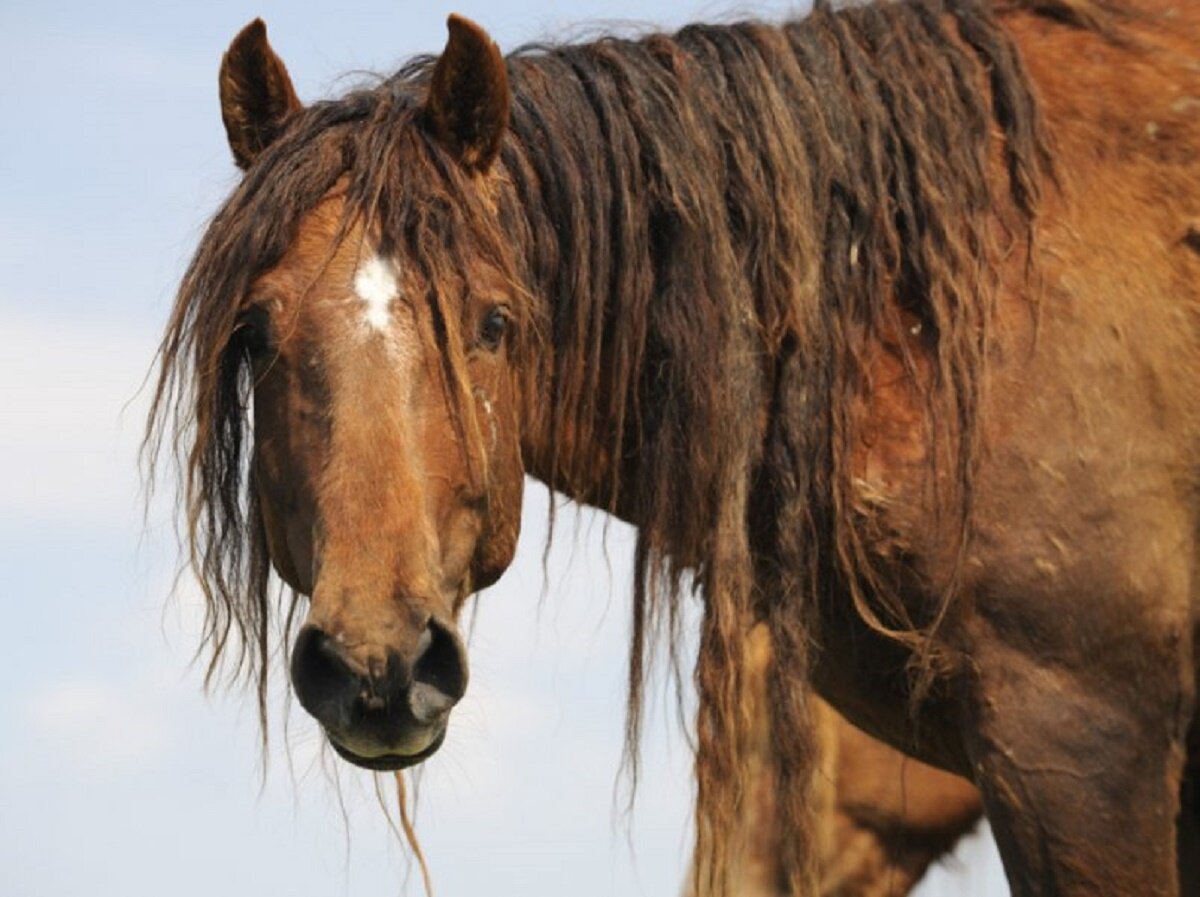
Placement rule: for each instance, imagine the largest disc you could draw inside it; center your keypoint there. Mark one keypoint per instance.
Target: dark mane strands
(707, 235)
(798, 194)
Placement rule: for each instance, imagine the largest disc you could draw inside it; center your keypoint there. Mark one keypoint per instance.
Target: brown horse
(882, 326)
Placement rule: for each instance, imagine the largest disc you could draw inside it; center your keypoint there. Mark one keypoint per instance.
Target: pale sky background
(117, 775)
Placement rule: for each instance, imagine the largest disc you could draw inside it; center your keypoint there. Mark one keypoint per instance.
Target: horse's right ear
(256, 93)
(468, 99)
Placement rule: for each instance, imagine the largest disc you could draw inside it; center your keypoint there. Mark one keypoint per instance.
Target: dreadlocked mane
(706, 232)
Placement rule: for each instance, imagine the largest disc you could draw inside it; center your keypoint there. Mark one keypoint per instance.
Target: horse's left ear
(468, 100)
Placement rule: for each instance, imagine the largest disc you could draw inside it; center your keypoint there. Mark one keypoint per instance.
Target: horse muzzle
(384, 709)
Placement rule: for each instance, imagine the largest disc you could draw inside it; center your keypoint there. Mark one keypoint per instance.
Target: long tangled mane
(709, 232)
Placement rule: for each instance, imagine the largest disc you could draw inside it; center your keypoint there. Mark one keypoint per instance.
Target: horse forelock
(707, 233)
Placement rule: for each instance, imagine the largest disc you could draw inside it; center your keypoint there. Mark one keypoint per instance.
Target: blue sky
(117, 775)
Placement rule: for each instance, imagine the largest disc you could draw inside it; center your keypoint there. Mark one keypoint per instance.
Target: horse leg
(1080, 773)
(894, 818)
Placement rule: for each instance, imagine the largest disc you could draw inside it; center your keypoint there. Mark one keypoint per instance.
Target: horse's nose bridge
(377, 583)
(375, 635)
(376, 492)
(378, 541)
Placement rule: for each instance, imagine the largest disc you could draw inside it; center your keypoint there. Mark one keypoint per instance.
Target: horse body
(881, 326)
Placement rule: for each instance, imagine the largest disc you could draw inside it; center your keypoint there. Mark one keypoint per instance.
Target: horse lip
(389, 762)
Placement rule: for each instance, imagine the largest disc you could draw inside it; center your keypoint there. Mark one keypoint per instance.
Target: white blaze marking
(376, 285)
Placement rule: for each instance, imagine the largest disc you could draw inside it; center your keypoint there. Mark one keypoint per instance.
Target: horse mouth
(386, 762)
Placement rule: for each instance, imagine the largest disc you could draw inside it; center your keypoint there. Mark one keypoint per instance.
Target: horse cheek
(275, 533)
(498, 543)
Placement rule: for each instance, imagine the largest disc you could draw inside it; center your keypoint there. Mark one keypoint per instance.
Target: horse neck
(617, 175)
(697, 216)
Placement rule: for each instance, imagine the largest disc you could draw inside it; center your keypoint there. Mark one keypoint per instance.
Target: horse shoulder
(1092, 419)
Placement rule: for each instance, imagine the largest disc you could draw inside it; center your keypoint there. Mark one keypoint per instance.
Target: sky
(118, 774)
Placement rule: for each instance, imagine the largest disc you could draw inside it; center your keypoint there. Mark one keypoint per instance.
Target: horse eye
(493, 328)
(252, 332)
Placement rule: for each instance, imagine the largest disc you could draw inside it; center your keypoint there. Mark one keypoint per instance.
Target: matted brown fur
(729, 249)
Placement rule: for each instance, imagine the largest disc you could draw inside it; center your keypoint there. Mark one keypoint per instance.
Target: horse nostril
(388, 693)
(320, 674)
(439, 674)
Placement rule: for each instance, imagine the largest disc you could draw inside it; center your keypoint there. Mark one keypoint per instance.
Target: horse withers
(881, 326)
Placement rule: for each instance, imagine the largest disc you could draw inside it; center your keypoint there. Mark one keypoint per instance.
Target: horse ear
(468, 100)
(256, 93)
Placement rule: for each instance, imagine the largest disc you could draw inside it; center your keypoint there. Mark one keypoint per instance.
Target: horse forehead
(346, 312)
(376, 285)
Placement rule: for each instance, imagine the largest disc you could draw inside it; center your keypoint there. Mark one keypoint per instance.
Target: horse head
(386, 461)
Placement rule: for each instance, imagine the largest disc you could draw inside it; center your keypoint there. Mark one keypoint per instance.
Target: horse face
(382, 498)
(387, 465)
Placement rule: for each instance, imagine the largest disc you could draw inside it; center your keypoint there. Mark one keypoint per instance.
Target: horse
(883, 819)
(882, 326)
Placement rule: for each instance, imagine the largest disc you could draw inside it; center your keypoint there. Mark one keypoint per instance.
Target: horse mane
(725, 222)
(709, 232)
